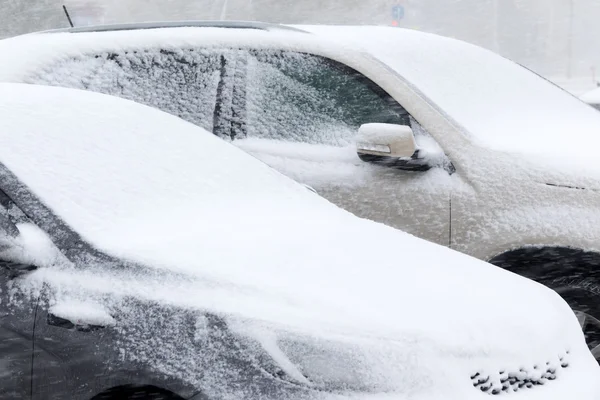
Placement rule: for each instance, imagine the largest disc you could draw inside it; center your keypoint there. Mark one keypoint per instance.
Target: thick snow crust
(354, 305)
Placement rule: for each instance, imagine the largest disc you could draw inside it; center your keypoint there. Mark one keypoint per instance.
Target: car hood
(320, 291)
(348, 303)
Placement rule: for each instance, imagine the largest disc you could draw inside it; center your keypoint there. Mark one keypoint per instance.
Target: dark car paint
(76, 364)
(16, 344)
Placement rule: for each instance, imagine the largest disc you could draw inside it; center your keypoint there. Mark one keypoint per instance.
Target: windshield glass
(501, 105)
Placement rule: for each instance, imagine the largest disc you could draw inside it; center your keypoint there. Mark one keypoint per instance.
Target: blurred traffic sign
(397, 12)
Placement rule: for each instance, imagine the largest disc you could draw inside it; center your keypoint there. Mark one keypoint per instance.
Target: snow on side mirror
(386, 140)
(9, 234)
(8, 231)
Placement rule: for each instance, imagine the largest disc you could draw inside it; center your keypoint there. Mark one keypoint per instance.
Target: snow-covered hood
(253, 245)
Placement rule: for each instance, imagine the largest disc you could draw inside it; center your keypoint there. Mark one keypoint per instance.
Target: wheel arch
(149, 392)
(549, 262)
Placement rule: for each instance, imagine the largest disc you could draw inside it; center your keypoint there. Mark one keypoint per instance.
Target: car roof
(264, 26)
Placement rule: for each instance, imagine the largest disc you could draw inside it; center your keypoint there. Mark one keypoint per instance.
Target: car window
(306, 98)
(182, 82)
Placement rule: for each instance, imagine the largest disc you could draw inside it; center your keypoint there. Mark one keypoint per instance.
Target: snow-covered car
(137, 264)
(455, 144)
(592, 98)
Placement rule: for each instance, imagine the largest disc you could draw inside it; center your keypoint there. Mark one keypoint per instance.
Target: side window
(182, 82)
(305, 98)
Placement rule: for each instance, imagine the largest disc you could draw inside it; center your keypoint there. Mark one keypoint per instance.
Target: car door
(302, 116)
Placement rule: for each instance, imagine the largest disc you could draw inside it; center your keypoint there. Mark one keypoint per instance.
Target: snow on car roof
(146, 186)
(31, 52)
(176, 24)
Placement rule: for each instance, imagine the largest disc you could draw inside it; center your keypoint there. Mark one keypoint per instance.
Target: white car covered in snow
(456, 145)
(138, 264)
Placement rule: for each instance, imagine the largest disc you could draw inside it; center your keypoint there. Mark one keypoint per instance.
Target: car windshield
(500, 105)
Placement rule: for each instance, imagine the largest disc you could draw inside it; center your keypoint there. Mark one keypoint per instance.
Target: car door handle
(59, 322)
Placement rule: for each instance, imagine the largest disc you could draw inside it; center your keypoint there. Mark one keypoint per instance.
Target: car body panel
(16, 341)
(79, 363)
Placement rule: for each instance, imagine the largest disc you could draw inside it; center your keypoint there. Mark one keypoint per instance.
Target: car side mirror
(8, 235)
(8, 230)
(385, 140)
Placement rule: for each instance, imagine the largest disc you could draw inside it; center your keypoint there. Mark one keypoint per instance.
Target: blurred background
(559, 39)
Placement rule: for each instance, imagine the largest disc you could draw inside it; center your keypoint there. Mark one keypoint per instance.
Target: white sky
(557, 38)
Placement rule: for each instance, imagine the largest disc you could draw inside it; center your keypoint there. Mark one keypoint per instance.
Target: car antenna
(68, 16)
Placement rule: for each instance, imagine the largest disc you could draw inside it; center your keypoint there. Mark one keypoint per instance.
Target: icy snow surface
(383, 310)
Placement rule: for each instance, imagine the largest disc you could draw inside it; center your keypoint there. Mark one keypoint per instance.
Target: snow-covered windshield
(501, 105)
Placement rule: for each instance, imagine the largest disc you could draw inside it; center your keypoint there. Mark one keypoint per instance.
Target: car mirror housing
(386, 140)
(8, 230)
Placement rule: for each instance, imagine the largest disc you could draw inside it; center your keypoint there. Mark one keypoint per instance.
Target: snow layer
(384, 311)
(183, 83)
(82, 313)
